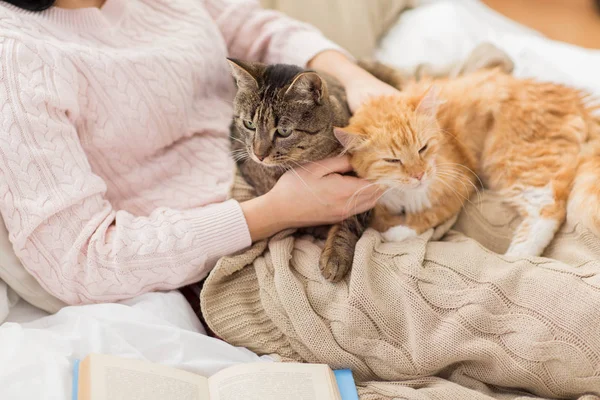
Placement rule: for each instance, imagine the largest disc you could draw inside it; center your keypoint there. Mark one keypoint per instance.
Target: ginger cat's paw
(524, 250)
(398, 234)
(519, 253)
(335, 262)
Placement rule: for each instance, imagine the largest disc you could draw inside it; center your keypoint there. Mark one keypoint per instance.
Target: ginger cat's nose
(418, 176)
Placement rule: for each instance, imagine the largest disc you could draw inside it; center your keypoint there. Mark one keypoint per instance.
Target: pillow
(22, 282)
(355, 25)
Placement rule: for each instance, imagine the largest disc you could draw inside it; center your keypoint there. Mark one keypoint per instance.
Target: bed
(37, 349)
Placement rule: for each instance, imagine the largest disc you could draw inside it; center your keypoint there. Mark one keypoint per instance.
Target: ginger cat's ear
(244, 73)
(347, 139)
(430, 102)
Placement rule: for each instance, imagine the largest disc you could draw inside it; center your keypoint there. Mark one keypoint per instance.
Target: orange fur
(522, 137)
(584, 200)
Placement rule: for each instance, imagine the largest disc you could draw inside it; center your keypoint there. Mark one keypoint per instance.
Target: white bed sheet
(36, 357)
(445, 31)
(37, 351)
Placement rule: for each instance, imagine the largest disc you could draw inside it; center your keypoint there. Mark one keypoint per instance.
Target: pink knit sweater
(114, 164)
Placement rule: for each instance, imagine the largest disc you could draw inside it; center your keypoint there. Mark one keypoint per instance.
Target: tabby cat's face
(282, 114)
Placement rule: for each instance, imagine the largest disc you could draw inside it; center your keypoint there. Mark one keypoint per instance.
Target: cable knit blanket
(424, 319)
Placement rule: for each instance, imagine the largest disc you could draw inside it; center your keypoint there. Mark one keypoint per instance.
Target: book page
(114, 378)
(273, 381)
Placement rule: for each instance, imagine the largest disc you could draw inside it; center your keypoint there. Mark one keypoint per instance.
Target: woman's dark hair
(31, 5)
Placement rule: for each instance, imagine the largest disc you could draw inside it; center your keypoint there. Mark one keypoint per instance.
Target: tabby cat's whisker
(239, 155)
(238, 140)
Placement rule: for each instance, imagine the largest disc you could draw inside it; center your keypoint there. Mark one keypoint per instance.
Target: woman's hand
(360, 85)
(315, 194)
(360, 89)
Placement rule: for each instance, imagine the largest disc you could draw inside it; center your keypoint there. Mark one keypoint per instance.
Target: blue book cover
(75, 380)
(346, 385)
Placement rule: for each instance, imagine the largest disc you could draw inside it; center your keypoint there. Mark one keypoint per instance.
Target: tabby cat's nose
(259, 153)
(418, 176)
(260, 157)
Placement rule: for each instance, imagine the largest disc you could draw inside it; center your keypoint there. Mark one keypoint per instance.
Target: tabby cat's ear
(430, 102)
(307, 87)
(244, 74)
(348, 139)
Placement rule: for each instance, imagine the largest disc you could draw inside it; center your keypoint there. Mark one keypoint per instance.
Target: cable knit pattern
(424, 319)
(114, 147)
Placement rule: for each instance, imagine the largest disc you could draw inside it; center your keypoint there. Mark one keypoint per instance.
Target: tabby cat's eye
(249, 125)
(423, 149)
(284, 132)
(393, 160)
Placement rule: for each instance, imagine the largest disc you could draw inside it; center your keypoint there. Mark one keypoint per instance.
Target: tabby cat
(284, 117)
(524, 138)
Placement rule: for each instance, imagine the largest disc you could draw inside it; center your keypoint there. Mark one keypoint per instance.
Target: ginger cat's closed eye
(521, 137)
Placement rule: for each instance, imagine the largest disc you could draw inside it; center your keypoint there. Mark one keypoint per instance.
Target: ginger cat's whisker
(467, 168)
(456, 176)
(299, 165)
(446, 132)
(306, 185)
(355, 195)
(460, 197)
(329, 171)
(455, 191)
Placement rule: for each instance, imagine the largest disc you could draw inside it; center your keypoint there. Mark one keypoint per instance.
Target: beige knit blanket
(424, 319)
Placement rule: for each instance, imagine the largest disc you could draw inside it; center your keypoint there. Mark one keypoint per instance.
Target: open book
(103, 377)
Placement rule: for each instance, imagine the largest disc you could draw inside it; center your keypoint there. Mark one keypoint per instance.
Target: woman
(115, 165)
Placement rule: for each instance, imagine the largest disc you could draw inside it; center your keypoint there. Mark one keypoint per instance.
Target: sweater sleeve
(65, 232)
(256, 34)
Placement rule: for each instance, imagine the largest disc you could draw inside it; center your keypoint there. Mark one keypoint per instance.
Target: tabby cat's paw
(334, 264)
(398, 234)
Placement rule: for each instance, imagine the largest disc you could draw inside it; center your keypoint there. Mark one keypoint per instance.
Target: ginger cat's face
(394, 142)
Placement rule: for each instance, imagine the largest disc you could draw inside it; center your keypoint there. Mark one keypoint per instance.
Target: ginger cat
(523, 138)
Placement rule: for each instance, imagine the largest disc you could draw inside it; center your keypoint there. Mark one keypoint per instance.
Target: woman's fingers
(340, 164)
(318, 194)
